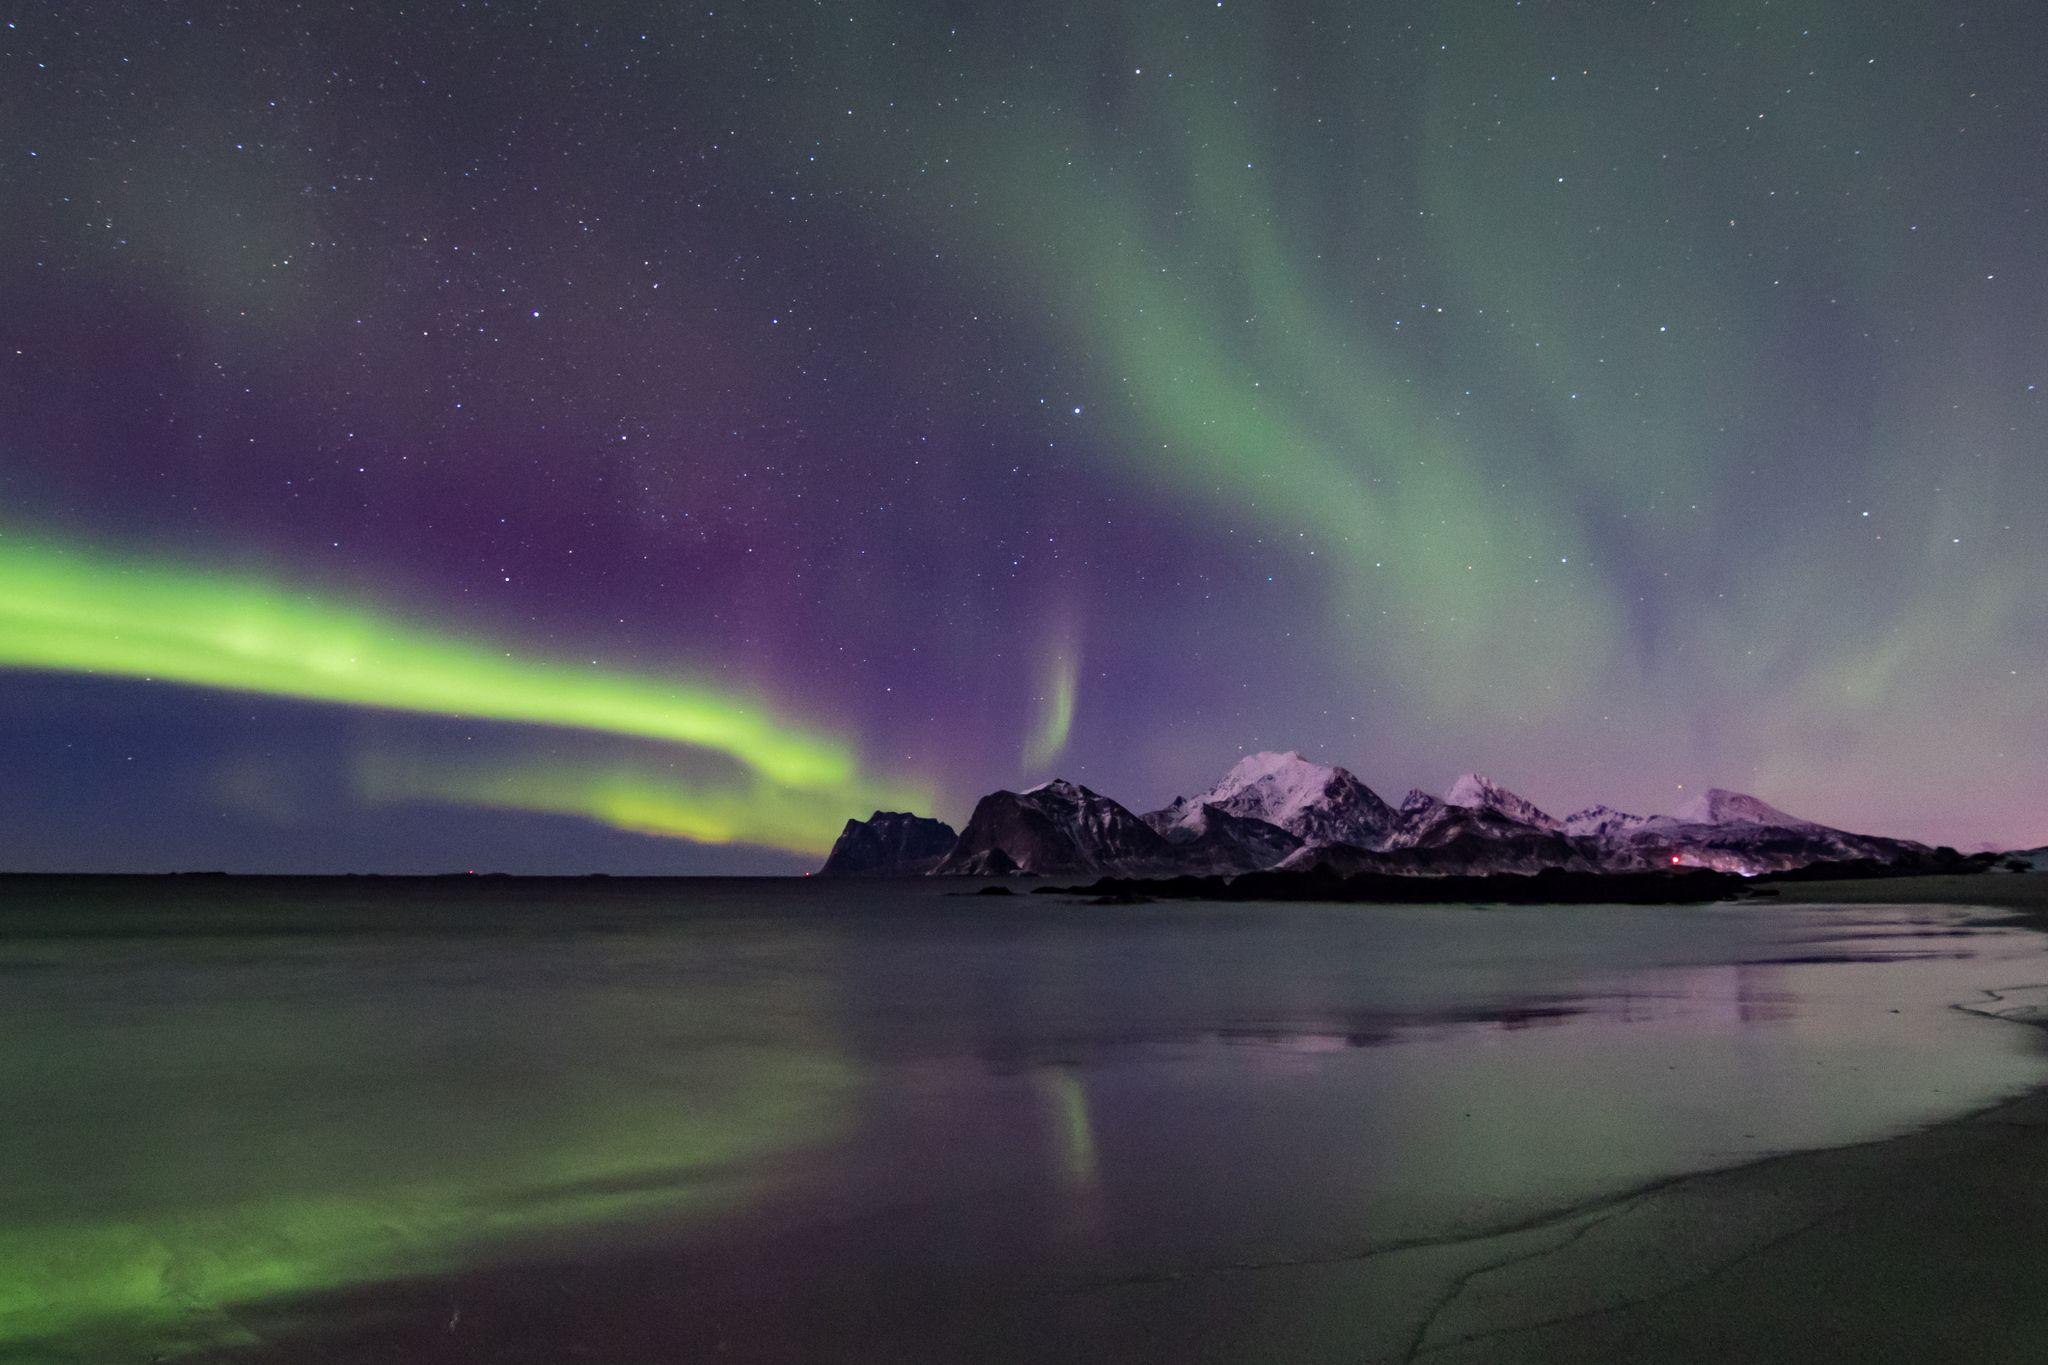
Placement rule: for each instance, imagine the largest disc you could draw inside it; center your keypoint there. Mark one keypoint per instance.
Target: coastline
(1913, 1245)
(2026, 892)
(1918, 1246)
(1921, 1246)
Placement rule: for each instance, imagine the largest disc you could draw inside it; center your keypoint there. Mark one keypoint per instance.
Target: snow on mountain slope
(1311, 801)
(1482, 793)
(1719, 806)
(1599, 821)
(1211, 839)
(1280, 810)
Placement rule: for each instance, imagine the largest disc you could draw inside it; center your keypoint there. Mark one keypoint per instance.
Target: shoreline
(1914, 1244)
(1921, 1245)
(2026, 892)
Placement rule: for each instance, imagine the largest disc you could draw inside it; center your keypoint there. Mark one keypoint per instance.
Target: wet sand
(1917, 1248)
(2025, 892)
(1921, 1247)
(1925, 1247)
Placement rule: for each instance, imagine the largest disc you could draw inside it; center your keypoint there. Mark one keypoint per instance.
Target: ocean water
(251, 1120)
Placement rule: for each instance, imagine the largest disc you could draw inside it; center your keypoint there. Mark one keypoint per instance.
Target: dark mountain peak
(889, 844)
(990, 862)
(1417, 801)
(1281, 811)
(1599, 821)
(1211, 839)
(1442, 822)
(1060, 788)
(1057, 827)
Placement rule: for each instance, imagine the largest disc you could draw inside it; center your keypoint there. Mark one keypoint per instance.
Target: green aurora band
(1473, 354)
(1055, 723)
(75, 612)
(634, 796)
(1233, 378)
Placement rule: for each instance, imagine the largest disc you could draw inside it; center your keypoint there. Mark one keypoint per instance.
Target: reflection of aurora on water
(366, 1122)
(296, 1121)
(1066, 1096)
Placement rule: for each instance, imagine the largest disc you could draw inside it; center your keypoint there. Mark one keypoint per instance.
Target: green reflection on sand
(1066, 1095)
(197, 1174)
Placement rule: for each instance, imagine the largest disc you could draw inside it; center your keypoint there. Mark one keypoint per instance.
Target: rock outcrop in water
(1285, 814)
(1060, 828)
(889, 843)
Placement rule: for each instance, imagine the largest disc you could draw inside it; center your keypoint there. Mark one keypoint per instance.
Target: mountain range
(1280, 811)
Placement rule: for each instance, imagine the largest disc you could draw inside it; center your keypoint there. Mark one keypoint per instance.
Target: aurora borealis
(621, 437)
(59, 613)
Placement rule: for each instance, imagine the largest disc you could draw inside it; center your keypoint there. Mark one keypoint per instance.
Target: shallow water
(800, 1120)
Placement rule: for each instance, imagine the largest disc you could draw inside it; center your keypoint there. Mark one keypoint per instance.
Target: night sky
(564, 437)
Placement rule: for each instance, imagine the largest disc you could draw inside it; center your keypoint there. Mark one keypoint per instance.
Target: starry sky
(625, 437)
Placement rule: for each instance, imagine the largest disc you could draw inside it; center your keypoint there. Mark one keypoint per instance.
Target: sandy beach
(1269, 1199)
(1922, 1247)
(1919, 1247)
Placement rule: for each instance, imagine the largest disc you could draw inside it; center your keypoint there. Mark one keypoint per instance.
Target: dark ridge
(1552, 886)
(889, 843)
(1943, 861)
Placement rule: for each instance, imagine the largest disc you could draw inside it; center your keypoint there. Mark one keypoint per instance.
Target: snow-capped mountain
(1059, 827)
(1719, 806)
(1486, 829)
(1733, 832)
(1281, 811)
(1483, 793)
(1311, 801)
(1600, 821)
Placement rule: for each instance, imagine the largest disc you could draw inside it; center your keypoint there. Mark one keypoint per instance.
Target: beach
(346, 1122)
(1921, 1247)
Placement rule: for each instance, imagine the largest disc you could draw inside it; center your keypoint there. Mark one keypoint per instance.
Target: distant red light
(1674, 860)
